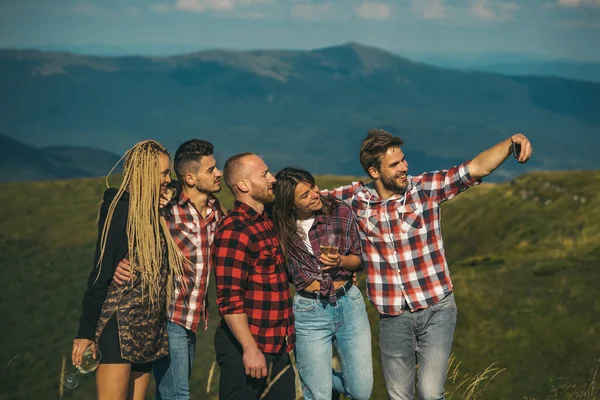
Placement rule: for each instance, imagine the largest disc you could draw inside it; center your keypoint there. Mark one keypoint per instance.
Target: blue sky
(549, 28)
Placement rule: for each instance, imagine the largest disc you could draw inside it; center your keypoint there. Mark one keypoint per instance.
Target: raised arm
(487, 161)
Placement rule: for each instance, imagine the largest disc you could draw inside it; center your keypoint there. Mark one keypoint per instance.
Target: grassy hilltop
(524, 258)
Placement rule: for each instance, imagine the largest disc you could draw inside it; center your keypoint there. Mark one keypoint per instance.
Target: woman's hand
(79, 346)
(330, 261)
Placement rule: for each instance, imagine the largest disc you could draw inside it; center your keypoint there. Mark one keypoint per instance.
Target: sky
(557, 29)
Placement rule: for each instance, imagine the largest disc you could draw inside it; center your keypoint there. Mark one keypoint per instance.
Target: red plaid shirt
(401, 238)
(193, 235)
(251, 279)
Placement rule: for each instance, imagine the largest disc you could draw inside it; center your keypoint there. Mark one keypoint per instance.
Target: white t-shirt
(306, 225)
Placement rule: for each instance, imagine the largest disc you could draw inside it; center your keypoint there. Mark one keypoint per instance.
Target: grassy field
(524, 257)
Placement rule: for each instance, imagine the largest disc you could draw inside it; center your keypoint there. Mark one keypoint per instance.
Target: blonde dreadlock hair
(141, 178)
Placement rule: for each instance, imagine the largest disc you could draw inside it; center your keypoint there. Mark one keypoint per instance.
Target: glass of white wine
(330, 244)
(88, 364)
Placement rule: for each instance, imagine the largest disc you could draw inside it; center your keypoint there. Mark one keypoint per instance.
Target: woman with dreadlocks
(328, 308)
(127, 322)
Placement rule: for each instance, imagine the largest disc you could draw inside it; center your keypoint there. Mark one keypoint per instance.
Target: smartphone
(516, 150)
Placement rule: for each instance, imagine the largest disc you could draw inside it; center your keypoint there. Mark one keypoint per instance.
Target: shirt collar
(184, 199)
(251, 212)
(368, 193)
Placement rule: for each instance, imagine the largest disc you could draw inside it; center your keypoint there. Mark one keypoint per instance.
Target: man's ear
(190, 180)
(243, 186)
(373, 173)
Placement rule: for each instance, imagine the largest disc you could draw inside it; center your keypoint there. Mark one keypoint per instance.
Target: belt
(339, 292)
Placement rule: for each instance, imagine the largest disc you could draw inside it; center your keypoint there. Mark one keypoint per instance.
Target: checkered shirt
(403, 250)
(304, 268)
(251, 279)
(193, 235)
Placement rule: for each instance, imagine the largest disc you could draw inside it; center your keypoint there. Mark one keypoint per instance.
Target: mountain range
(304, 108)
(513, 64)
(20, 162)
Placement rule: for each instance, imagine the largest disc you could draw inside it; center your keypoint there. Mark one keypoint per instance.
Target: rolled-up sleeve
(444, 185)
(231, 253)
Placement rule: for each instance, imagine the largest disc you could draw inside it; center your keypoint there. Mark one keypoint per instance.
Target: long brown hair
(284, 215)
(145, 227)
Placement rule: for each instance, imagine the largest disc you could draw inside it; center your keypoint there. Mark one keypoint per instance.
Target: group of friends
(161, 242)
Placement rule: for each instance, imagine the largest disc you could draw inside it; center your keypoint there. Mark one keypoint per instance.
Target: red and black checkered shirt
(251, 278)
(193, 235)
(403, 251)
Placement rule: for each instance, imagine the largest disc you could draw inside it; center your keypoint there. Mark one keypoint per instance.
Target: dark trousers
(236, 385)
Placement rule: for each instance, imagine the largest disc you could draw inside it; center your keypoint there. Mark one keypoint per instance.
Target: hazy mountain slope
(21, 162)
(307, 108)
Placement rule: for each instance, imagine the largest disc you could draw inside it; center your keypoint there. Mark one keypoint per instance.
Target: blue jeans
(346, 326)
(422, 337)
(172, 372)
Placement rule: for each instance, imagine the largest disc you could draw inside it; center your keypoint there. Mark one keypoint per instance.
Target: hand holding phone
(516, 150)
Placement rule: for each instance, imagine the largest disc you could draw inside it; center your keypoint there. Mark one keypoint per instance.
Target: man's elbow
(476, 171)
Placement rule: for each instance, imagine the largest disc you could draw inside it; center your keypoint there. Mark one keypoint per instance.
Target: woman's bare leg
(138, 385)
(112, 381)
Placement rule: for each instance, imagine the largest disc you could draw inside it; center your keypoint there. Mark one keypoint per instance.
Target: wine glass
(330, 244)
(88, 364)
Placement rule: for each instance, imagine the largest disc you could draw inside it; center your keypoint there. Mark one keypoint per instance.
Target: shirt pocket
(188, 234)
(267, 257)
(411, 217)
(368, 221)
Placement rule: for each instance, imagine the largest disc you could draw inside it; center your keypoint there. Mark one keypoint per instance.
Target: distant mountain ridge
(305, 108)
(515, 65)
(20, 162)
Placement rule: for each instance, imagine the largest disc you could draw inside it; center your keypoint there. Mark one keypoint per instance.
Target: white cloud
(85, 8)
(213, 5)
(312, 12)
(497, 11)
(578, 3)
(204, 5)
(160, 7)
(376, 11)
(429, 9)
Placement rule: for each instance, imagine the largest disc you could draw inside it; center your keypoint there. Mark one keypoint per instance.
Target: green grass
(524, 258)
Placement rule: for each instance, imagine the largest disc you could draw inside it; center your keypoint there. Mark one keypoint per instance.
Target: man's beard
(264, 197)
(391, 185)
(204, 188)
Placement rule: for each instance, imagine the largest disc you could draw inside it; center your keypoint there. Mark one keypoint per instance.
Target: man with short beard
(257, 330)
(192, 217)
(408, 280)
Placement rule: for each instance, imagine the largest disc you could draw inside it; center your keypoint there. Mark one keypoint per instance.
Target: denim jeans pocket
(302, 304)
(354, 293)
(445, 303)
